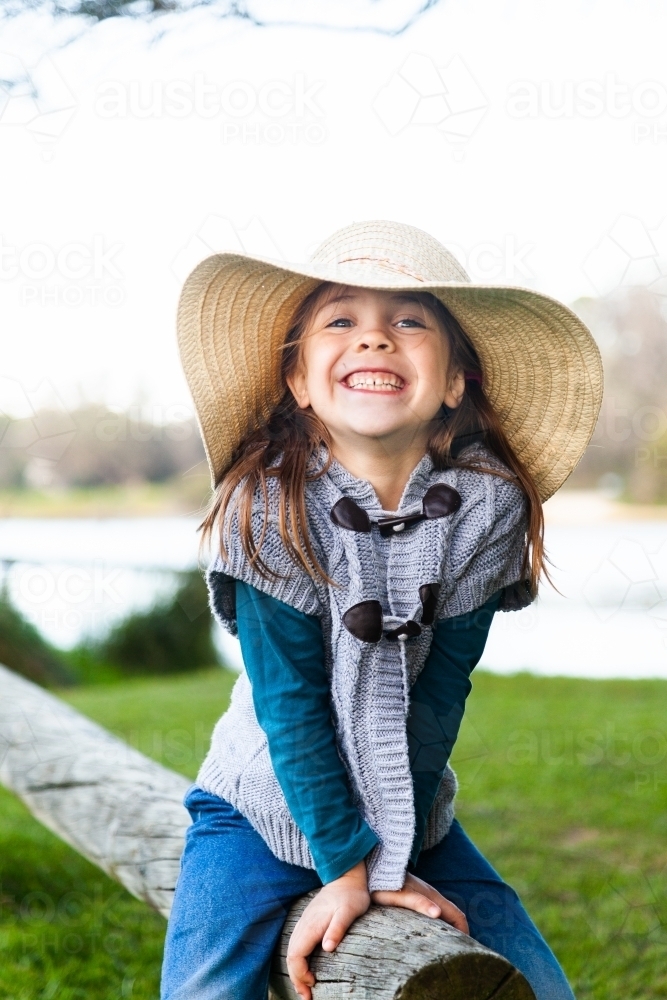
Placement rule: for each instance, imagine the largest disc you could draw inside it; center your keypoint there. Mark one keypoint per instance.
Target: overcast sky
(530, 137)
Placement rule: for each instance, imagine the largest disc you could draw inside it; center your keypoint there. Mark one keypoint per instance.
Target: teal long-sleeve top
(283, 653)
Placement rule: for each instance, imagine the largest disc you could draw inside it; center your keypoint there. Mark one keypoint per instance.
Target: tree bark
(124, 812)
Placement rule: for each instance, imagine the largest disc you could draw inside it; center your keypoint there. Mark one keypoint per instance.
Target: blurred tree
(101, 447)
(384, 16)
(628, 451)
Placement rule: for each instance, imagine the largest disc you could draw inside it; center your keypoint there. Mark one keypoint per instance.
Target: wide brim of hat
(542, 368)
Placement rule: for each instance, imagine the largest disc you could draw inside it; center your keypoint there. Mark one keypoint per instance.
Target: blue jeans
(233, 894)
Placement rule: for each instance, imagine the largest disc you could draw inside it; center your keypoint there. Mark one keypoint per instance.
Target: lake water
(75, 576)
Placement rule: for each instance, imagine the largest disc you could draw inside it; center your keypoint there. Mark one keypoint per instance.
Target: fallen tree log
(124, 813)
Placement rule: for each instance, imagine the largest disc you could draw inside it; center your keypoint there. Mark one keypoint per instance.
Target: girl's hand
(423, 898)
(338, 904)
(325, 919)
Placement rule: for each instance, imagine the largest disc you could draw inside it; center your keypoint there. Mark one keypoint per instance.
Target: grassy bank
(184, 495)
(563, 786)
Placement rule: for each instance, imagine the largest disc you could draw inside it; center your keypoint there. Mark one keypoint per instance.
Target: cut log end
(462, 979)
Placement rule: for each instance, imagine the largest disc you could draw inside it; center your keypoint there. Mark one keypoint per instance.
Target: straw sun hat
(542, 368)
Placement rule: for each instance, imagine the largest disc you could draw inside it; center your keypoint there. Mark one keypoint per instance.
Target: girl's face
(375, 364)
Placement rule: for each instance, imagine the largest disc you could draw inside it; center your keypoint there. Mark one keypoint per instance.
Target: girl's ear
(455, 389)
(297, 386)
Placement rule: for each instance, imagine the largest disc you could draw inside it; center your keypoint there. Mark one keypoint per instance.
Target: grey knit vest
(393, 581)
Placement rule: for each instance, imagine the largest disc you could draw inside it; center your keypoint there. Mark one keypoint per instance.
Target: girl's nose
(375, 339)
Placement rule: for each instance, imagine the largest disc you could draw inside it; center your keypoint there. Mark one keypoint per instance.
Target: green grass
(563, 787)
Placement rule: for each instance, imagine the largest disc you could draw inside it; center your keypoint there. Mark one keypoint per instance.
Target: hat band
(386, 264)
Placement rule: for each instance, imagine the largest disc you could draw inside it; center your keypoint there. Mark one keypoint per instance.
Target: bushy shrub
(23, 649)
(173, 636)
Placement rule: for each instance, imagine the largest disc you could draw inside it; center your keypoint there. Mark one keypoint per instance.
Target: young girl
(381, 434)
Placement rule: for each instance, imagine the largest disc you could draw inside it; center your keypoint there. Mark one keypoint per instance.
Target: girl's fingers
(299, 972)
(335, 932)
(301, 976)
(308, 932)
(303, 991)
(450, 912)
(411, 899)
(454, 916)
(408, 899)
(305, 936)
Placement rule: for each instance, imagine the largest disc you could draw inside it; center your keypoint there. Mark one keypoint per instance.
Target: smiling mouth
(371, 381)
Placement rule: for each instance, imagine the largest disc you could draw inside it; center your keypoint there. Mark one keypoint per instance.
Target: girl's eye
(409, 324)
(406, 323)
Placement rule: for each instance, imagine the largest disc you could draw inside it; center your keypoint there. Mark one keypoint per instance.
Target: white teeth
(375, 381)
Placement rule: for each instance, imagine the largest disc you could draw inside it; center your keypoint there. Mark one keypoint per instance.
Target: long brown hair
(288, 445)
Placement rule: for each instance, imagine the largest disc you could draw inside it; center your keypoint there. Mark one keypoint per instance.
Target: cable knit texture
(471, 553)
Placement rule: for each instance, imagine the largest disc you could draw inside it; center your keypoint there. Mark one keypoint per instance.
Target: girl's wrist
(356, 876)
